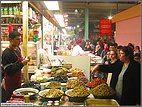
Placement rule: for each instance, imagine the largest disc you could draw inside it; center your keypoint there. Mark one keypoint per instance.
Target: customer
(137, 50)
(106, 48)
(77, 50)
(113, 59)
(106, 61)
(88, 47)
(125, 77)
(113, 56)
(137, 57)
(99, 48)
(12, 63)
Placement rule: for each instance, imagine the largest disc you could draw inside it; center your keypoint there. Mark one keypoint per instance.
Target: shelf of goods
(11, 13)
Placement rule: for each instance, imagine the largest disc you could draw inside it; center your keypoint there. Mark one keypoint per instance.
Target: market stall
(64, 87)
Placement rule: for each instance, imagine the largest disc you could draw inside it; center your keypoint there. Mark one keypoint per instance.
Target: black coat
(131, 81)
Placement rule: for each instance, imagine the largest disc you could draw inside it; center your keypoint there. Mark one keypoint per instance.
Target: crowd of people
(121, 64)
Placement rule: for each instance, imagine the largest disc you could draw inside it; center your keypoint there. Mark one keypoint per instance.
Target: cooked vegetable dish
(96, 82)
(75, 83)
(102, 90)
(79, 92)
(53, 93)
(53, 84)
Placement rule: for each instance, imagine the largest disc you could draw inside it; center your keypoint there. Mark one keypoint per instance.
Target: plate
(103, 97)
(26, 91)
(41, 93)
(75, 99)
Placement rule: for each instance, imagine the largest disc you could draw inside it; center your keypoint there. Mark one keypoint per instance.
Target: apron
(13, 82)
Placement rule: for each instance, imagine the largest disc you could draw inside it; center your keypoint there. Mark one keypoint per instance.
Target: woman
(98, 48)
(125, 77)
(137, 50)
(113, 58)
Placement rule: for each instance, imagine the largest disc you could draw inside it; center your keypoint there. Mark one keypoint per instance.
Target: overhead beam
(129, 13)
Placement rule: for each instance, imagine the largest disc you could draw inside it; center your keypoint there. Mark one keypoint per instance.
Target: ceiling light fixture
(52, 5)
(110, 17)
(60, 19)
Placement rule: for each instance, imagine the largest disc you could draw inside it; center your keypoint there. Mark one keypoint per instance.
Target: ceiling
(97, 11)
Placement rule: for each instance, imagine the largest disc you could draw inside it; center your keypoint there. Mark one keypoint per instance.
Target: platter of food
(51, 94)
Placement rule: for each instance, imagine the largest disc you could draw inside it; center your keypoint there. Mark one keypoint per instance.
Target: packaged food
(11, 9)
(6, 10)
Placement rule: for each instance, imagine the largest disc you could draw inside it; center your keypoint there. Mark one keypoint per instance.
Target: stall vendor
(77, 50)
(13, 62)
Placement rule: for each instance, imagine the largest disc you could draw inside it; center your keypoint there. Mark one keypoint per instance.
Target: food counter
(64, 86)
(64, 101)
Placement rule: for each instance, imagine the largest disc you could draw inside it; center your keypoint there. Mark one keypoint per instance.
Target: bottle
(6, 10)
(2, 10)
(15, 9)
(26, 98)
(18, 9)
(10, 9)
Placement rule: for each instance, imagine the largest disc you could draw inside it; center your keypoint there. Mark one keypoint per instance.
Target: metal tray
(101, 102)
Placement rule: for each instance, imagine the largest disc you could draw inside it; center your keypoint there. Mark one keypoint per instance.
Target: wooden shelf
(12, 24)
(5, 42)
(32, 20)
(11, 16)
(11, 2)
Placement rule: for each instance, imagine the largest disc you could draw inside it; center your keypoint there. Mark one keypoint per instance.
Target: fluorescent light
(60, 19)
(5, 45)
(77, 25)
(52, 5)
(109, 17)
(66, 15)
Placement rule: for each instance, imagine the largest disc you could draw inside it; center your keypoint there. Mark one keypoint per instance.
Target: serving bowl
(43, 93)
(75, 99)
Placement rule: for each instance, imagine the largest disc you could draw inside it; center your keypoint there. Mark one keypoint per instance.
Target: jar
(56, 104)
(7, 20)
(27, 97)
(10, 20)
(14, 21)
(6, 10)
(50, 103)
(2, 10)
(20, 21)
(10, 9)
(18, 8)
(15, 9)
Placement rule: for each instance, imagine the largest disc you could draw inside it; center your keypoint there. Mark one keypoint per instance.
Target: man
(13, 63)
(77, 50)
(70, 46)
(106, 48)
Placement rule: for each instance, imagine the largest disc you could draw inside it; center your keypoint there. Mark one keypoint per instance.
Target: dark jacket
(131, 81)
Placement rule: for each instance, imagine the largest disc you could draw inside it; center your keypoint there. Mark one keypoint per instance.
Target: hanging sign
(105, 27)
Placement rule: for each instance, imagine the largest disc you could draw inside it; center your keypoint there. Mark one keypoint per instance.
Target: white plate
(25, 89)
(43, 92)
